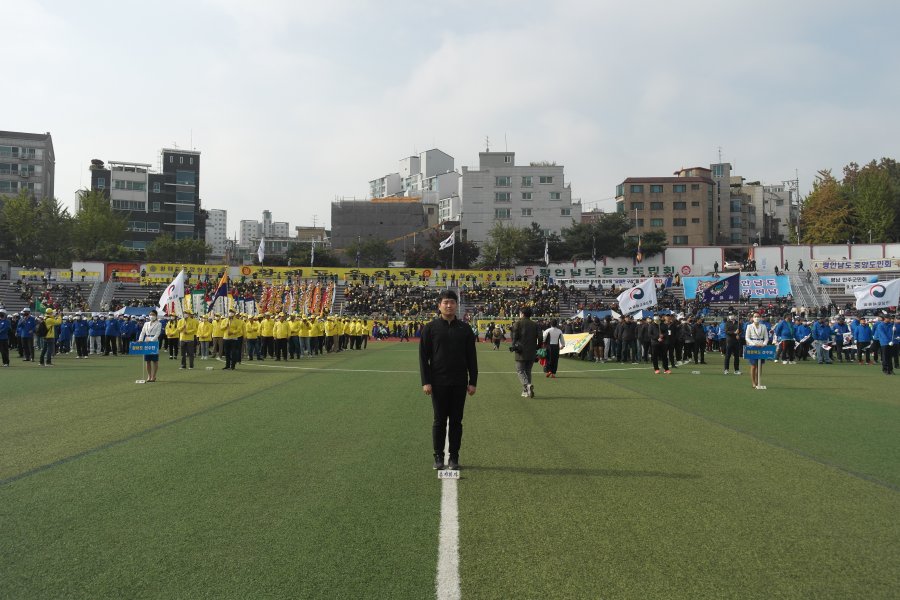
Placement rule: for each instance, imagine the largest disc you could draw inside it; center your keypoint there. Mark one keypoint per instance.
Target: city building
(778, 208)
(156, 202)
(429, 176)
(396, 220)
(217, 231)
(515, 195)
(683, 206)
(27, 162)
(252, 231)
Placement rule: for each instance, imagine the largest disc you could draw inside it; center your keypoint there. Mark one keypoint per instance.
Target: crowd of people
(57, 296)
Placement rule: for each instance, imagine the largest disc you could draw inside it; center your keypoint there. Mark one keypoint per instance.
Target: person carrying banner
(658, 333)
(822, 335)
(862, 333)
(234, 331)
(150, 333)
(887, 333)
(757, 336)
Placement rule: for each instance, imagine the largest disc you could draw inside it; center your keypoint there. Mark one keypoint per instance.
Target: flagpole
(453, 255)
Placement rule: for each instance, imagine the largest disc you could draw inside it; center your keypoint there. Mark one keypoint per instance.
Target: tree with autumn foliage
(827, 215)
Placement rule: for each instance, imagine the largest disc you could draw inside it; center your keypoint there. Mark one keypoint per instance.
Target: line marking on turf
(255, 364)
(447, 579)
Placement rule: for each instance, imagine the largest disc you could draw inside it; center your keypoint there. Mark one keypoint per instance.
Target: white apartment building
(217, 230)
(252, 231)
(516, 195)
(430, 176)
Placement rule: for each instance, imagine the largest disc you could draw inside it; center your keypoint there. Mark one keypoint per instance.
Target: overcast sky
(294, 103)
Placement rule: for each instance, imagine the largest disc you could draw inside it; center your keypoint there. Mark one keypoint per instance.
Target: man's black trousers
(448, 402)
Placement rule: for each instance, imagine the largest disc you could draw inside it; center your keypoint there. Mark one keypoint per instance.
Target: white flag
(638, 298)
(174, 292)
(448, 242)
(881, 294)
(261, 251)
(547, 253)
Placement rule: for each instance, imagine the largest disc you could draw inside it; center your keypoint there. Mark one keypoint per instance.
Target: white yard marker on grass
(447, 579)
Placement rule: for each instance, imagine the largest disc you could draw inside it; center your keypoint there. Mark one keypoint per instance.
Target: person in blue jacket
(822, 334)
(25, 331)
(64, 337)
(784, 331)
(721, 336)
(80, 332)
(96, 329)
(887, 333)
(111, 332)
(840, 328)
(803, 337)
(862, 333)
(5, 330)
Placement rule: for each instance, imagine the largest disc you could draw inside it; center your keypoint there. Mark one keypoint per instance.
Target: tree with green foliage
(54, 225)
(827, 215)
(21, 231)
(427, 253)
(874, 194)
(372, 253)
(299, 255)
(604, 237)
(97, 230)
(167, 249)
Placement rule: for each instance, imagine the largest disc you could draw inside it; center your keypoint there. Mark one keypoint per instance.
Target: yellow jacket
(234, 328)
(251, 330)
(304, 328)
(51, 322)
(204, 332)
(187, 329)
(316, 329)
(282, 330)
(218, 327)
(171, 329)
(266, 328)
(295, 328)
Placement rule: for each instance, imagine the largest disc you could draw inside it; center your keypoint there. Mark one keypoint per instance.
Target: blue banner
(143, 348)
(754, 287)
(759, 352)
(847, 280)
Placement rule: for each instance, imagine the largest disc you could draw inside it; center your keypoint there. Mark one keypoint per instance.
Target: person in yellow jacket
(172, 336)
(51, 320)
(281, 331)
(294, 338)
(251, 332)
(332, 335)
(231, 342)
(218, 335)
(304, 336)
(316, 335)
(204, 336)
(187, 336)
(267, 335)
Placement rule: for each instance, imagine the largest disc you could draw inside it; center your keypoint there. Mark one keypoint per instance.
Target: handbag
(542, 353)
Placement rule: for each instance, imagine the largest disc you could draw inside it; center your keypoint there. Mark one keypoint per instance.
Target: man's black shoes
(439, 462)
(453, 464)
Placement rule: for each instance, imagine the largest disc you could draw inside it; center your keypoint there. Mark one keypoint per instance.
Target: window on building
(180, 160)
(185, 177)
(679, 240)
(695, 186)
(637, 189)
(679, 222)
(620, 190)
(736, 206)
(507, 159)
(502, 213)
(736, 222)
(153, 226)
(679, 205)
(637, 205)
(554, 195)
(718, 170)
(171, 159)
(656, 189)
(502, 196)
(192, 160)
(656, 222)
(565, 212)
(526, 212)
(679, 188)
(639, 223)
(526, 181)
(735, 238)
(156, 207)
(503, 181)
(546, 179)
(184, 218)
(695, 220)
(695, 203)
(156, 188)
(101, 183)
(656, 206)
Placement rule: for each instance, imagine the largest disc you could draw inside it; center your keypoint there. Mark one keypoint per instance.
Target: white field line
(447, 579)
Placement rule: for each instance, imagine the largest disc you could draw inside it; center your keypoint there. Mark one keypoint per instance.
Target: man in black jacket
(526, 337)
(658, 332)
(449, 369)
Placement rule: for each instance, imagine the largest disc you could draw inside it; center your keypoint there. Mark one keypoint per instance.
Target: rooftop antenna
(487, 144)
(720, 154)
(314, 220)
(192, 138)
(505, 143)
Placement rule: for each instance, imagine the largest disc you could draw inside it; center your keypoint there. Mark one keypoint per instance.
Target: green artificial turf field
(315, 481)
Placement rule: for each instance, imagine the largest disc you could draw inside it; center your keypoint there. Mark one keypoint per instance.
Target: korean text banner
(755, 287)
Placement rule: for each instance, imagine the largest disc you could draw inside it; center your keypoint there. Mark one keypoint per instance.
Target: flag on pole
(639, 254)
(638, 298)
(312, 253)
(877, 295)
(546, 253)
(727, 289)
(261, 251)
(448, 242)
(39, 306)
(174, 292)
(594, 250)
(221, 290)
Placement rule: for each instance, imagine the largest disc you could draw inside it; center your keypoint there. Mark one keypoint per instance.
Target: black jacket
(528, 335)
(447, 353)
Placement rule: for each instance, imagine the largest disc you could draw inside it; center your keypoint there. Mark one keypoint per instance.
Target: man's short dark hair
(554, 323)
(448, 295)
(526, 312)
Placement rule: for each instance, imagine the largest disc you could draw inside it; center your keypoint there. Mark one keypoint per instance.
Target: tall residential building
(429, 176)
(776, 211)
(515, 195)
(252, 231)
(166, 201)
(217, 230)
(27, 162)
(683, 206)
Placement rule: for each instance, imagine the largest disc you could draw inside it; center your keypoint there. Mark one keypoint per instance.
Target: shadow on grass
(584, 472)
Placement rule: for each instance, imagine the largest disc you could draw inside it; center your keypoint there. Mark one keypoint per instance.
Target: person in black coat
(699, 341)
(449, 370)
(526, 337)
(658, 332)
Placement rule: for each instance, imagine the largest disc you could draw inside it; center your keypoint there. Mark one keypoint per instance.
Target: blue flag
(724, 290)
(221, 290)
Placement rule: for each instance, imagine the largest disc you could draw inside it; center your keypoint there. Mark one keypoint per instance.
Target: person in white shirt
(150, 333)
(553, 341)
(756, 335)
